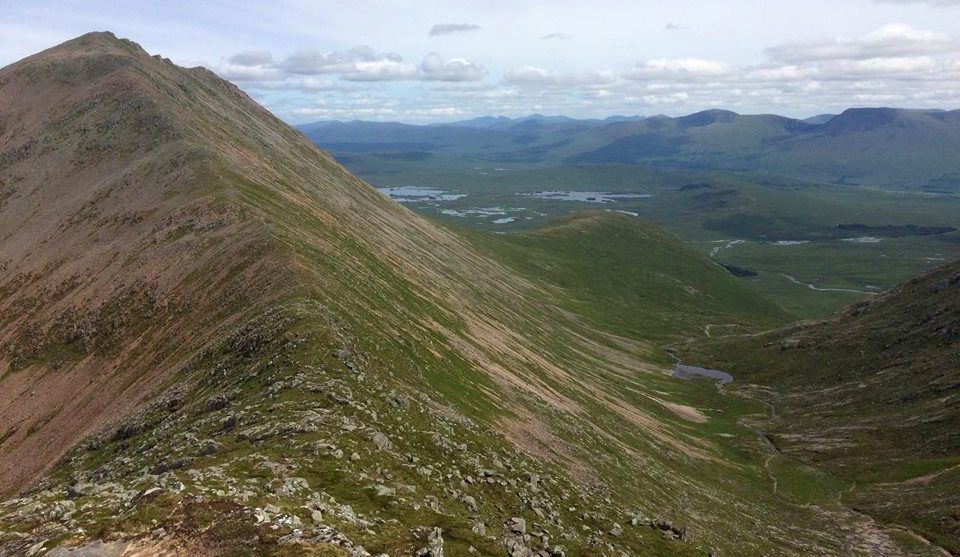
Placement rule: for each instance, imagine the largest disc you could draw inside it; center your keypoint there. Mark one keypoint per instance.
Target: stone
(791, 343)
(517, 525)
(210, 447)
(434, 546)
(146, 494)
(78, 490)
(293, 486)
(381, 441)
(616, 529)
(384, 491)
(533, 483)
(217, 402)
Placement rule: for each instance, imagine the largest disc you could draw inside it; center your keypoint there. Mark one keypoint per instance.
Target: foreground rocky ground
(288, 455)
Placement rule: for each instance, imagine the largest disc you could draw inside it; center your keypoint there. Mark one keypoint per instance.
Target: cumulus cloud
(242, 74)
(678, 68)
(435, 68)
(300, 70)
(894, 40)
(357, 60)
(447, 28)
(540, 77)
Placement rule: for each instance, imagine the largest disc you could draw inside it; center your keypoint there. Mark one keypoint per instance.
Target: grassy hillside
(630, 276)
(871, 395)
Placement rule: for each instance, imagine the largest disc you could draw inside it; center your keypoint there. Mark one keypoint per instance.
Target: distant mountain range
(879, 146)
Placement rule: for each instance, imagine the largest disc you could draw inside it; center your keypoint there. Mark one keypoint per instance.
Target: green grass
(631, 277)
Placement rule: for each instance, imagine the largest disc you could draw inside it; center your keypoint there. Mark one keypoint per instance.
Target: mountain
(873, 395)
(215, 340)
(819, 119)
(481, 122)
(859, 146)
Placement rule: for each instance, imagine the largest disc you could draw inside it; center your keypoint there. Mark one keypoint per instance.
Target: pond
(693, 372)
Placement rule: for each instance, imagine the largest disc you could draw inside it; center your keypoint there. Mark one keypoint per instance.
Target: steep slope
(115, 230)
(873, 395)
(217, 341)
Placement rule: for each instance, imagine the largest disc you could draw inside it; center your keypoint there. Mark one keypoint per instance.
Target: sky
(443, 60)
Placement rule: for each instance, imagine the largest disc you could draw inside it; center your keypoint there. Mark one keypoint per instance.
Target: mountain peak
(93, 43)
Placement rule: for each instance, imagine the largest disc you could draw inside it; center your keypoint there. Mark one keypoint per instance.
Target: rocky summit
(215, 340)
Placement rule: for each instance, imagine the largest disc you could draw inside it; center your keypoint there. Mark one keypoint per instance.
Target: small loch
(693, 372)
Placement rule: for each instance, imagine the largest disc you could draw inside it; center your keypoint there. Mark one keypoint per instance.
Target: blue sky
(442, 60)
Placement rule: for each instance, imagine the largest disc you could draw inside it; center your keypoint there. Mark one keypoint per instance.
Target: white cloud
(243, 73)
(379, 70)
(540, 77)
(435, 68)
(894, 40)
(678, 68)
(356, 61)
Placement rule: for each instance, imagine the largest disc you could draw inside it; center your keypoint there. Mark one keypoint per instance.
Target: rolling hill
(215, 340)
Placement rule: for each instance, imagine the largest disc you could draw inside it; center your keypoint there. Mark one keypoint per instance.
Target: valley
(769, 226)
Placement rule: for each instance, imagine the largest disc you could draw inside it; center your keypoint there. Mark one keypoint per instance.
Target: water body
(586, 196)
(478, 212)
(693, 372)
(416, 194)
